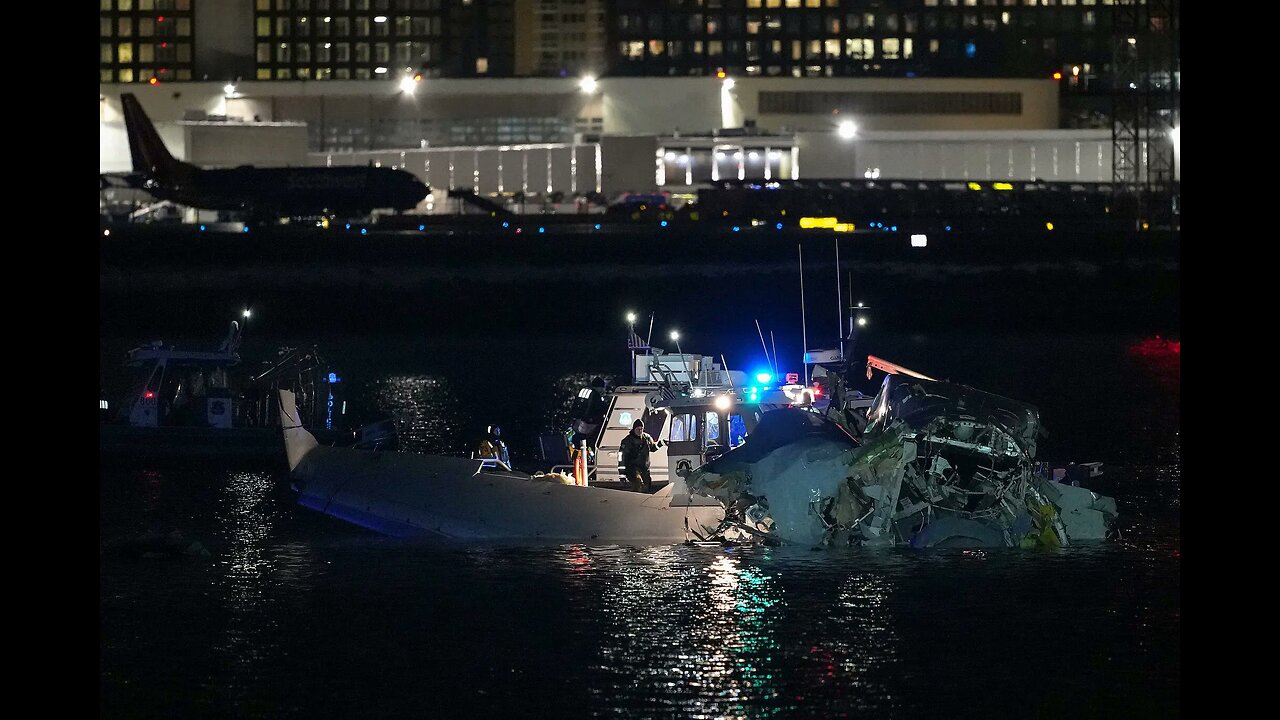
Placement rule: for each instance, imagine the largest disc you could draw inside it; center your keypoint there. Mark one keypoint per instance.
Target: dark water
(298, 615)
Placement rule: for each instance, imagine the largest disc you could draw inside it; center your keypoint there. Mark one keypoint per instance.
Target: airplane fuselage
(278, 191)
(293, 191)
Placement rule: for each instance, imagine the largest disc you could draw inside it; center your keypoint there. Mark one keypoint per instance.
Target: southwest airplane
(262, 192)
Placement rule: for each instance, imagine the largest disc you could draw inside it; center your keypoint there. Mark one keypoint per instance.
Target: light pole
(631, 340)
(675, 335)
(856, 320)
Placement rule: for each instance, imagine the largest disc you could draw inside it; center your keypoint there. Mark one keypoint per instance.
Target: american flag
(635, 342)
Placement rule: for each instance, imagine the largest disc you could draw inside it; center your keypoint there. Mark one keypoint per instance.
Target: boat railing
(490, 463)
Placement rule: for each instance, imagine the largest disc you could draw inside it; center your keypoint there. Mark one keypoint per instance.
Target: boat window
(624, 419)
(713, 428)
(653, 423)
(737, 430)
(683, 428)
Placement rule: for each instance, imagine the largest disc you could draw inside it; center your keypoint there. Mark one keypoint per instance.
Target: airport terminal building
(550, 135)
(535, 98)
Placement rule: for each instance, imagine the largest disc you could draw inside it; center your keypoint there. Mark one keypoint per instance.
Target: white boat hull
(407, 494)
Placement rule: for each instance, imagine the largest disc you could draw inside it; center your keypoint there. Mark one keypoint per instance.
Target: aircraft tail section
(150, 156)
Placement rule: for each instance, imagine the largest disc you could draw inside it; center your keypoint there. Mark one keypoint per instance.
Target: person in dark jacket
(634, 451)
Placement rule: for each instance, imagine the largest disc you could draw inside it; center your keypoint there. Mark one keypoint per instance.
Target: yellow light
(809, 223)
(1003, 186)
(1075, 70)
(843, 227)
(720, 74)
(974, 186)
(1048, 226)
(1145, 225)
(723, 402)
(1057, 76)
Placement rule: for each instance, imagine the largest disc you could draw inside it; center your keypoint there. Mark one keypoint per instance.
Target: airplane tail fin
(297, 441)
(150, 156)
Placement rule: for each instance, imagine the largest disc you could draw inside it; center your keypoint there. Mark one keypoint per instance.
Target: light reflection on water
(246, 521)
(298, 615)
(428, 416)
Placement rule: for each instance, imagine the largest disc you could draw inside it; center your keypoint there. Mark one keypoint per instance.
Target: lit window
(126, 75)
(482, 66)
(124, 53)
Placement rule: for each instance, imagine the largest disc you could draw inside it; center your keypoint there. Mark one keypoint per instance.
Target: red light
(160, 19)
(153, 81)
(1057, 76)
(148, 394)
(164, 44)
(817, 392)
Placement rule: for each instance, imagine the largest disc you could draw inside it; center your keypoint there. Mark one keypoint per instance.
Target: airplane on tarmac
(262, 192)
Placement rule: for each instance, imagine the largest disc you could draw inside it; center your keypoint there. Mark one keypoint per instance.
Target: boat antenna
(775, 353)
(766, 347)
(839, 300)
(849, 277)
(649, 340)
(725, 363)
(804, 332)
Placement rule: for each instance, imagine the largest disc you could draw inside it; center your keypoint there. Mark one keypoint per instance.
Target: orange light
(1057, 76)
(154, 81)
(417, 78)
(720, 74)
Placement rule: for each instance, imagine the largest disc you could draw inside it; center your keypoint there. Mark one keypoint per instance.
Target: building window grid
(136, 45)
(957, 23)
(352, 40)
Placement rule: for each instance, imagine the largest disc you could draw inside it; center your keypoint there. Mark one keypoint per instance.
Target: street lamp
(847, 130)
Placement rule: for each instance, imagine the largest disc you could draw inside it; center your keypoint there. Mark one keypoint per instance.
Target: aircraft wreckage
(929, 464)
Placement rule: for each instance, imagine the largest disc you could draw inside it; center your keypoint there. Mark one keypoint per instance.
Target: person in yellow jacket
(492, 446)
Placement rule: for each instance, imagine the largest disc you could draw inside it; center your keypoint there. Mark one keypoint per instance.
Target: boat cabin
(694, 407)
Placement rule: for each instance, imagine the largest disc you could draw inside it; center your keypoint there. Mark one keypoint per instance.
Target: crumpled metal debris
(939, 465)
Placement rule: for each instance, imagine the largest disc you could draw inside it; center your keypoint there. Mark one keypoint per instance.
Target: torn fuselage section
(939, 465)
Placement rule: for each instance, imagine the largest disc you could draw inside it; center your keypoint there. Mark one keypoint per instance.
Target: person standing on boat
(634, 450)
